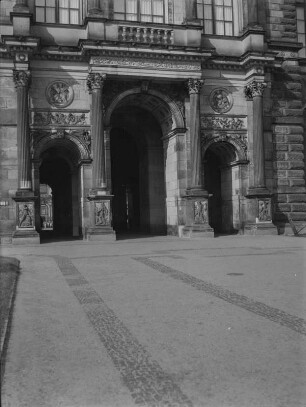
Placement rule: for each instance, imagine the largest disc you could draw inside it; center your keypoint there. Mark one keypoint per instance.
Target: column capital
(21, 78)
(95, 81)
(254, 88)
(194, 85)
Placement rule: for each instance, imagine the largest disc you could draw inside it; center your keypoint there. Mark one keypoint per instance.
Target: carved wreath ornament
(59, 94)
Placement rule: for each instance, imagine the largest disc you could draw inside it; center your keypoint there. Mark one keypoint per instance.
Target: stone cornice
(14, 44)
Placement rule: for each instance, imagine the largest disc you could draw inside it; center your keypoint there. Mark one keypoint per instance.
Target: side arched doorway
(58, 185)
(225, 182)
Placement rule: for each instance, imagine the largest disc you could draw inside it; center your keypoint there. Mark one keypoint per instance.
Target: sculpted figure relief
(25, 215)
(59, 94)
(201, 212)
(221, 100)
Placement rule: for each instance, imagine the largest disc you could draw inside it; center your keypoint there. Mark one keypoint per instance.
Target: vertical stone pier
(259, 213)
(25, 199)
(197, 217)
(99, 196)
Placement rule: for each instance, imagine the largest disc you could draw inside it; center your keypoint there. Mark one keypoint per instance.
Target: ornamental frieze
(150, 63)
(223, 123)
(60, 119)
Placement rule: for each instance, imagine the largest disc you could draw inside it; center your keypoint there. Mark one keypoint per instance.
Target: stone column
(95, 82)
(197, 219)
(194, 88)
(254, 91)
(25, 199)
(99, 197)
(259, 202)
(22, 80)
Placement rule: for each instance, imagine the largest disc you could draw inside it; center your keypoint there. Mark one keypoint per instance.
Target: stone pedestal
(25, 219)
(259, 212)
(197, 215)
(101, 217)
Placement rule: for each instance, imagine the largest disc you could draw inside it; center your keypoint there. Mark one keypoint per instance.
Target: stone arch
(166, 103)
(229, 148)
(77, 148)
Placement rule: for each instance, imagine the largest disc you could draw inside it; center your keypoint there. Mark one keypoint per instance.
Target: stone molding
(55, 118)
(223, 123)
(254, 88)
(95, 81)
(21, 78)
(143, 63)
(194, 85)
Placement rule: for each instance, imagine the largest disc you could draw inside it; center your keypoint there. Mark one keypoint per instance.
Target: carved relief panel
(103, 213)
(25, 215)
(264, 210)
(201, 212)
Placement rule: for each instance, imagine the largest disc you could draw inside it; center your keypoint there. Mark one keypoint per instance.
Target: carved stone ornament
(25, 213)
(222, 123)
(254, 88)
(221, 100)
(264, 210)
(95, 81)
(238, 140)
(194, 85)
(59, 94)
(200, 212)
(59, 119)
(21, 78)
(102, 213)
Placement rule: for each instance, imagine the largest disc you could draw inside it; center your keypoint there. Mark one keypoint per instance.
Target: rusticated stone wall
(288, 142)
(281, 24)
(8, 157)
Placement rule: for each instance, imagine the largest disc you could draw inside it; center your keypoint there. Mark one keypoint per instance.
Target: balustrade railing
(149, 35)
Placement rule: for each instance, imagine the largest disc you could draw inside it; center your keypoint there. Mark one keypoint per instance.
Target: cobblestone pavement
(160, 322)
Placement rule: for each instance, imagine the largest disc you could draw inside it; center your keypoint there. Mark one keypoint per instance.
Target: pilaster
(99, 196)
(197, 217)
(259, 203)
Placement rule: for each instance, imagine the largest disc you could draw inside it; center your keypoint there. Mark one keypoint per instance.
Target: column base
(101, 216)
(25, 237)
(260, 229)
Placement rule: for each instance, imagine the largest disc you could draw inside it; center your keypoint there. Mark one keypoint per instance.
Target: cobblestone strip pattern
(148, 383)
(274, 314)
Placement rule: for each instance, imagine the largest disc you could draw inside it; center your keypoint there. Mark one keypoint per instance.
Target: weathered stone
(281, 198)
(281, 147)
(298, 207)
(297, 182)
(296, 147)
(283, 207)
(295, 173)
(295, 156)
(297, 197)
(296, 164)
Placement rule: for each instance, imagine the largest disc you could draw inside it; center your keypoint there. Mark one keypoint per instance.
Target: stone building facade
(184, 117)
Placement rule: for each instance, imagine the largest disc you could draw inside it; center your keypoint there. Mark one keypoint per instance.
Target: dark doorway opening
(56, 172)
(125, 181)
(213, 185)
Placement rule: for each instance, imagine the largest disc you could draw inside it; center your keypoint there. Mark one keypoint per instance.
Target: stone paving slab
(141, 322)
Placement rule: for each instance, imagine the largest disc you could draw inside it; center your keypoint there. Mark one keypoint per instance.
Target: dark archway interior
(137, 168)
(212, 184)
(55, 172)
(125, 181)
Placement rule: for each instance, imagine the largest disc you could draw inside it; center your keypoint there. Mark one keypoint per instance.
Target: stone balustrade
(148, 35)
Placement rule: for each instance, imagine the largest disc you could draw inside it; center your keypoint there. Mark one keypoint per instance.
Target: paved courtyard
(159, 321)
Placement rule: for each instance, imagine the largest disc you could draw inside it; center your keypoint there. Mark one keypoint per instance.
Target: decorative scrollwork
(59, 118)
(224, 123)
(95, 81)
(21, 78)
(254, 89)
(194, 85)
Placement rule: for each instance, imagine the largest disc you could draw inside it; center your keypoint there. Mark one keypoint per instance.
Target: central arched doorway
(137, 170)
